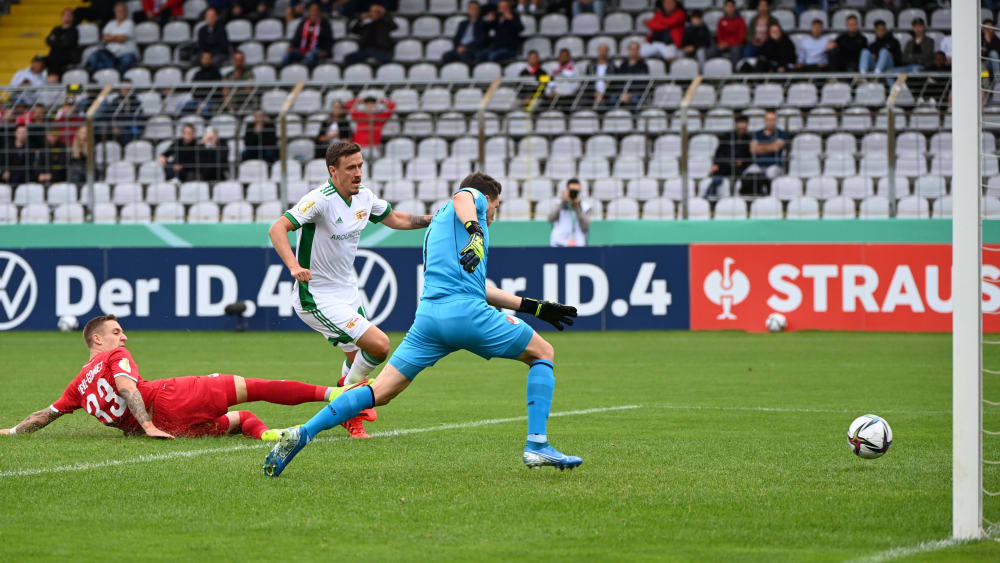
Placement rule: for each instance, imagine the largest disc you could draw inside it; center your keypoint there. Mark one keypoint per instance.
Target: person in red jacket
(666, 31)
(369, 118)
(159, 11)
(731, 32)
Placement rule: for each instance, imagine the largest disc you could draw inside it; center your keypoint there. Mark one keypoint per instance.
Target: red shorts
(186, 406)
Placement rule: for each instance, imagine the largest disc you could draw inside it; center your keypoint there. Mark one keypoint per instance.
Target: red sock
(283, 392)
(251, 426)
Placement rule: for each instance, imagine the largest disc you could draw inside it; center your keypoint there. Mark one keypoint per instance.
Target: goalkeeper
(456, 312)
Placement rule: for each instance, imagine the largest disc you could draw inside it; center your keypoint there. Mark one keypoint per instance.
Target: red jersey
(95, 390)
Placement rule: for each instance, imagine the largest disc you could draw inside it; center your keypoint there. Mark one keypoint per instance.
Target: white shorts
(340, 322)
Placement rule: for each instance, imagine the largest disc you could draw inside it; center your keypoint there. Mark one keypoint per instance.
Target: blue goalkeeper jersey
(444, 277)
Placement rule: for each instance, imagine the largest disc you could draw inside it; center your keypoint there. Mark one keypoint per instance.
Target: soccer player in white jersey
(330, 219)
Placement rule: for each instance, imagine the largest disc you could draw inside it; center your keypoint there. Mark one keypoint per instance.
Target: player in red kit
(110, 388)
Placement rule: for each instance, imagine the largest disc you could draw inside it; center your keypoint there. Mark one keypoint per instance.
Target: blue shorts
(465, 324)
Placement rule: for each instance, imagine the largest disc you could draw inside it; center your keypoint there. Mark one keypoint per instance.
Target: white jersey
(329, 230)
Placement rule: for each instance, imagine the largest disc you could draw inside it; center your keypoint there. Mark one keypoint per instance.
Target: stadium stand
(166, 141)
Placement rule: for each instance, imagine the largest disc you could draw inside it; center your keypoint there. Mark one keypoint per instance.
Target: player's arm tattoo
(419, 221)
(134, 401)
(37, 420)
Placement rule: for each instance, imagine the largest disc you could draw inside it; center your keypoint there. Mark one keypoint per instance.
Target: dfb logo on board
(372, 269)
(18, 290)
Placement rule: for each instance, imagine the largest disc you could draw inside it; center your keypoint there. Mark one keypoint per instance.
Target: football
(776, 322)
(68, 323)
(869, 436)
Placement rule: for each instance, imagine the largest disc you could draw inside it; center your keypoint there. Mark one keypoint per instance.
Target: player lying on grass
(329, 220)
(110, 388)
(456, 312)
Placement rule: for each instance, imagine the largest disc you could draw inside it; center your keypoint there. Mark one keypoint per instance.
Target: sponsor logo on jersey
(124, 365)
(350, 235)
(307, 206)
(18, 290)
(361, 215)
(513, 320)
(339, 221)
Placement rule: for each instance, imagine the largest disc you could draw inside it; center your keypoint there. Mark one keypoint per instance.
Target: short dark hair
(533, 52)
(93, 325)
(879, 23)
(695, 13)
(484, 183)
(817, 21)
(988, 21)
(338, 149)
(851, 17)
(742, 119)
(573, 181)
(191, 125)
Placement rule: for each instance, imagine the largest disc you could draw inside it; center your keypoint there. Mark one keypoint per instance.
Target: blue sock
(343, 408)
(541, 385)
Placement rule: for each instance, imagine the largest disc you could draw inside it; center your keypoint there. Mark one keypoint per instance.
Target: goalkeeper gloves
(555, 314)
(475, 249)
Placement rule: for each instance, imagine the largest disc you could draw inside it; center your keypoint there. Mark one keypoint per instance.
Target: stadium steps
(23, 32)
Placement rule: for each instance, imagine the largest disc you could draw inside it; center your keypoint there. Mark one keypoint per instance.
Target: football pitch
(697, 447)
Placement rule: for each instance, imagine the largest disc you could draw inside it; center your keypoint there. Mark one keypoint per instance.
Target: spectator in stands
(69, 120)
(253, 10)
(989, 48)
(883, 54)
(845, 50)
(77, 172)
(471, 36)
(238, 97)
(571, 218)
(918, 53)
(634, 64)
(666, 30)
(181, 158)
(534, 66)
(312, 40)
(260, 141)
(946, 47)
(53, 93)
(207, 97)
(732, 156)
(18, 158)
(336, 127)
(595, 6)
(506, 27)
(768, 147)
(602, 67)
(120, 116)
(213, 157)
(369, 118)
(64, 45)
(51, 161)
(212, 37)
(33, 75)
(159, 11)
(375, 42)
(731, 32)
(777, 54)
(119, 47)
(813, 50)
(565, 67)
(99, 11)
(759, 28)
(697, 40)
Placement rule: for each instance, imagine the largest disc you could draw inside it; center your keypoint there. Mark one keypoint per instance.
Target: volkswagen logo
(19, 290)
(377, 284)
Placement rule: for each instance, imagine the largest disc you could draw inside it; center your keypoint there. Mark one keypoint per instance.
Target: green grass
(736, 452)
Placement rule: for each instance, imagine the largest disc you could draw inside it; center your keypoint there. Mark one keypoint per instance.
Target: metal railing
(511, 108)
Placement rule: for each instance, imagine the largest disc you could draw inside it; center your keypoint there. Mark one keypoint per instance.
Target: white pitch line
(196, 453)
(783, 409)
(900, 552)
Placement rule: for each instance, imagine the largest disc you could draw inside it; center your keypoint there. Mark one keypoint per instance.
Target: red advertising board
(897, 287)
